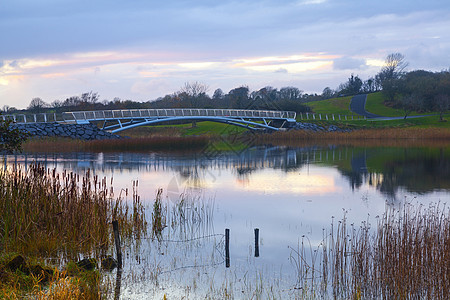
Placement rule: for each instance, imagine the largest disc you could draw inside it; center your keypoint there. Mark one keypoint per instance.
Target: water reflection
(285, 193)
(387, 169)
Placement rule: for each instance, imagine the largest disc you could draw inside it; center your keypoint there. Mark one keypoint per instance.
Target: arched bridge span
(118, 120)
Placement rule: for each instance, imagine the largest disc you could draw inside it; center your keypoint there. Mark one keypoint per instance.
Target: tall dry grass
(407, 256)
(49, 214)
(365, 137)
(137, 144)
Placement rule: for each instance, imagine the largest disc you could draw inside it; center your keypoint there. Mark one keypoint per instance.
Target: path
(357, 105)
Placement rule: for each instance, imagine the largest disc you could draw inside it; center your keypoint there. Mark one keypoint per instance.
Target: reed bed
(186, 218)
(48, 214)
(136, 144)
(407, 256)
(384, 134)
(406, 137)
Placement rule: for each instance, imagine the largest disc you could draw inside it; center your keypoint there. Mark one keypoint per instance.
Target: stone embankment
(315, 127)
(75, 131)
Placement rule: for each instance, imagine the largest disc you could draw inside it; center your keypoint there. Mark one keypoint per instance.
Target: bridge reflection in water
(252, 159)
(417, 171)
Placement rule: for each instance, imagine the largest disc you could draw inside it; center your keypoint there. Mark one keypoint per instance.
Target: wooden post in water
(117, 240)
(118, 284)
(256, 242)
(227, 248)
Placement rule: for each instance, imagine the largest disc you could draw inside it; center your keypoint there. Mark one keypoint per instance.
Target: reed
(136, 144)
(60, 217)
(158, 216)
(48, 214)
(364, 137)
(407, 256)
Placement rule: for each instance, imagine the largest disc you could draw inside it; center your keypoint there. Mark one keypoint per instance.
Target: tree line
(416, 90)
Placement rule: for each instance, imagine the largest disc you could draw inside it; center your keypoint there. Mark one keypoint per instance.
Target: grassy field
(375, 105)
(201, 128)
(337, 106)
(341, 106)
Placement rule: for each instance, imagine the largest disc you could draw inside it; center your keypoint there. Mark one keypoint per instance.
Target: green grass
(214, 128)
(423, 122)
(375, 105)
(337, 106)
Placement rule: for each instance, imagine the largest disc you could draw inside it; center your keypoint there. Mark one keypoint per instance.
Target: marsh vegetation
(58, 218)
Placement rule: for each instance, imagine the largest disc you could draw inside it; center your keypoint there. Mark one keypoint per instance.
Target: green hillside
(337, 106)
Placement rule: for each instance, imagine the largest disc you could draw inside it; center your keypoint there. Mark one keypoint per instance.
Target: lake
(290, 195)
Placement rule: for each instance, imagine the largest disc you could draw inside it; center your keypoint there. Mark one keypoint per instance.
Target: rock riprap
(75, 131)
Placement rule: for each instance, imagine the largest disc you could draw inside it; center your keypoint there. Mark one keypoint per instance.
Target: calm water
(291, 195)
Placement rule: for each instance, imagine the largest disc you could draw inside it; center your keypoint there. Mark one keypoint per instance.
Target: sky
(145, 49)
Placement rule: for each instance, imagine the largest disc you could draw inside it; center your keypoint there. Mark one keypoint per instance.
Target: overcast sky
(144, 49)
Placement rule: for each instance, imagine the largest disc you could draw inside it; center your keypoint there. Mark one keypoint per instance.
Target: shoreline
(403, 137)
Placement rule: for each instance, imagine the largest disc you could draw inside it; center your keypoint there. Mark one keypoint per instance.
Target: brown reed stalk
(154, 143)
(404, 137)
(407, 256)
(52, 214)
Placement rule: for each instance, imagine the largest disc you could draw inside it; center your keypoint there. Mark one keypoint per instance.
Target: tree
(193, 94)
(8, 109)
(390, 74)
(72, 101)
(90, 97)
(36, 105)
(11, 139)
(194, 89)
(290, 93)
(369, 86)
(352, 86)
(410, 103)
(327, 93)
(238, 97)
(442, 105)
(394, 66)
(218, 94)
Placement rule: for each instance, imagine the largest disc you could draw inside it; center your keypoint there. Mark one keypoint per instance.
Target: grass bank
(337, 106)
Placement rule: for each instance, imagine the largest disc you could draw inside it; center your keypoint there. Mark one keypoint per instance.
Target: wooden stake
(227, 248)
(117, 240)
(256, 242)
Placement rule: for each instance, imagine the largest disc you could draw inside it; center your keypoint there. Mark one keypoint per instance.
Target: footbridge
(118, 120)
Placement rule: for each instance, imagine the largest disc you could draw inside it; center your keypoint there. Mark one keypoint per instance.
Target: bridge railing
(330, 117)
(32, 118)
(175, 112)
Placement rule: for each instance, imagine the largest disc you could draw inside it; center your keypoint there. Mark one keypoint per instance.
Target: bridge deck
(128, 114)
(129, 118)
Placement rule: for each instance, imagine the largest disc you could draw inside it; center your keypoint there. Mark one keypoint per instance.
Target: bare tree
(290, 93)
(194, 89)
(394, 66)
(90, 97)
(390, 74)
(37, 104)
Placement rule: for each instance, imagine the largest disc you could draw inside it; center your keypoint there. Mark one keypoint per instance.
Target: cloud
(281, 70)
(349, 63)
(305, 43)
